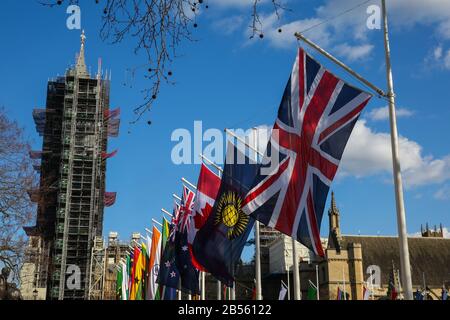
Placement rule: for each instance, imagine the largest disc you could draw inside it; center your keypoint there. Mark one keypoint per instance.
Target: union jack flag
(174, 222)
(315, 119)
(186, 210)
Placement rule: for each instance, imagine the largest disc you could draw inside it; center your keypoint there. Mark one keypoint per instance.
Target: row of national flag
(286, 190)
(137, 273)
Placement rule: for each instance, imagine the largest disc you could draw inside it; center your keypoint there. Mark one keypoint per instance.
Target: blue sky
(228, 81)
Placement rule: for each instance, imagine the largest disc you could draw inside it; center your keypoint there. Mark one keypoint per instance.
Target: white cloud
(444, 29)
(438, 58)
(285, 38)
(229, 25)
(402, 13)
(447, 60)
(356, 52)
(437, 53)
(368, 153)
(232, 3)
(383, 113)
(443, 193)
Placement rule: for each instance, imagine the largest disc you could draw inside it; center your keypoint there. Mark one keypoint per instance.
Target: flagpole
(211, 163)
(297, 291)
(219, 283)
(371, 285)
(166, 212)
(257, 238)
(233, 291)
(189, 183)
(345, 290)
(300, 36)
(401, 216)
(288, 283)
(317, 282)
(219, 290)
(203, 297)
(424, 286)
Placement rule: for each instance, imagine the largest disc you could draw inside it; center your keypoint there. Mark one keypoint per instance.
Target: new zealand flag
(219, 243)
(169, 275)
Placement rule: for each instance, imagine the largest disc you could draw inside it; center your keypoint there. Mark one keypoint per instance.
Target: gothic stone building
(350, 258)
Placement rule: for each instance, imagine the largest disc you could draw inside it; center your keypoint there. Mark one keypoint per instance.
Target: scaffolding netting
(109, 199)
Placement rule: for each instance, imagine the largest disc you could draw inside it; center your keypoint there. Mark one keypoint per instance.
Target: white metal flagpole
(203, 285)
(343, 278)
(288, 284)
(295, 271)
(317, 282)
(219, 290)
(401, 216)
(257, 239)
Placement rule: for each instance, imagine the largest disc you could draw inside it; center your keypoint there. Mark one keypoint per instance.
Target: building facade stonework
(354, 263)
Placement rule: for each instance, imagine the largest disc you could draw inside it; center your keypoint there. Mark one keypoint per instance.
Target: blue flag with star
(188, 273)
(168, 274)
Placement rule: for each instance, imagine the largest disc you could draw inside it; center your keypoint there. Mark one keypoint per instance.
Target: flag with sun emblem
(219, 243)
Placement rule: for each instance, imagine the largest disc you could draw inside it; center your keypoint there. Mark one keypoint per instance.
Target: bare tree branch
(16, 178)
(158, 27)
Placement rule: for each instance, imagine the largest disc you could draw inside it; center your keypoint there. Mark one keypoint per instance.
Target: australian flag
(219, 243)
(188, 273)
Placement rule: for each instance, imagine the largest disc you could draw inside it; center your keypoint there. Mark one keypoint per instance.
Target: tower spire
(333, 204)
(334, 238)
(80, 67)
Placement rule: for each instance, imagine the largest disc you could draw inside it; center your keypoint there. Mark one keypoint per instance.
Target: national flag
(106, 155)
(164, 236)
(207, 187)
(283, 291)
(169, 275)
(133, 281)
(312, 291)
(315, 119)
(110, 198)
(444, 294)
(418, 295)
(119, 282)
(108, 114)
(340, 294)
(125, 279)
(188, 273)
(226, 293)
(392, 288)
(366, 293)
(129, 265)
(140, 273)
(153, 265)
(219, 243)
